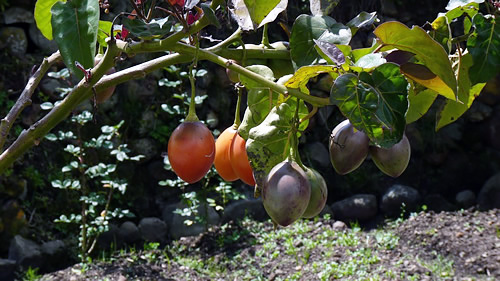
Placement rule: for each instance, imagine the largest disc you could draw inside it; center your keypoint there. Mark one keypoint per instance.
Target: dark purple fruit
(319, 194)
(348, 147)
(286, 193)
(392, 161)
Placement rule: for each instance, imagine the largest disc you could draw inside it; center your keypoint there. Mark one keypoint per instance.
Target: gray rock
(55, 255)
(438, 203)
(339, 226)
(147, 123)
(110, 238)
(317, 152)
(129, 232)
(178, 228)
(46, 45)
(358, 207)
(398, 195)
(465, 199)
(489, 195)
(168, 213)
(7, 268)
(153, 229)
(18, 15)
(239, 209)
(14, 39)
(25, 252)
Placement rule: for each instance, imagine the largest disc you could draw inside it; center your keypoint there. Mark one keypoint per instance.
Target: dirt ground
(462, 245)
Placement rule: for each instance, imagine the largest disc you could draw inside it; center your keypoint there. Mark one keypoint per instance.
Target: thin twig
(25, 97)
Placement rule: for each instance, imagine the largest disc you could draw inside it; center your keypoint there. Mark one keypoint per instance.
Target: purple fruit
(319, 194)
(286, 193)
(392, 161)
(348, 147)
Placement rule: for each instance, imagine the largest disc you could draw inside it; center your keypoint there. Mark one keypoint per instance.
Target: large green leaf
(419, 103)
(427, 50)
(267, 144)
(307, 28)
(251, 14)
(156, 28)
(484, 46)
(43, 16)
(375, 104)
(75, 25)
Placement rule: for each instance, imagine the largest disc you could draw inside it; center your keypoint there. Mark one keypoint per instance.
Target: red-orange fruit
(239, 160)
(222, 161)
(191, 151)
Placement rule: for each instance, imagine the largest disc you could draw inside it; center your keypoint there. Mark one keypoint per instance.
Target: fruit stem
(265, 37)
(293, 139)
(192, 117)
(237, 119)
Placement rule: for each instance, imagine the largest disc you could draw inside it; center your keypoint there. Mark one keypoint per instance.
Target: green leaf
(441, 25)
(375, 104)
(209, 13)
(419, 104)
(75, 25)
(422, 75)
(267, 144)
(262, 70)
(259, 104)
(362, 20)
(251, 14)
(459, 3)
(307, 28)
(43, 16)
(103, 32)
(484, 46)
(452, 110)
(368, 62)
(417, 41)
(156, 28)
(302, 75)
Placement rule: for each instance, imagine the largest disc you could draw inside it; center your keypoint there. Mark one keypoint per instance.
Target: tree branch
(207, 55)
(25, 97)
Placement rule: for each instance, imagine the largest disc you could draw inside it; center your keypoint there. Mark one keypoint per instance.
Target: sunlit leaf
(452, 110)
(43, 16)
(103, 32)
(429, 52)
(422, 75)
(419, 104)
(364, 19)
(458, 3)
